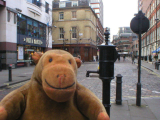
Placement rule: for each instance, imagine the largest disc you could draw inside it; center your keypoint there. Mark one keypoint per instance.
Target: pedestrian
(119, 57)
(124, 57)
(133, 58)
(79, 56)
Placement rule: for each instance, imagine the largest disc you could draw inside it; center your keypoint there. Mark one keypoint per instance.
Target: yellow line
(151, 72)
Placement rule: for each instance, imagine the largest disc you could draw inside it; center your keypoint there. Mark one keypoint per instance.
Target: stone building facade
(75, 28)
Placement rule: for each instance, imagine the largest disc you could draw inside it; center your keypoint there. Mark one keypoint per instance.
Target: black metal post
(0, 64)
(106, 94)
(63, 43)
(156, 32)
(138, 100)
(10, 73)
(139, 25)
(70, 40)
(119, 89)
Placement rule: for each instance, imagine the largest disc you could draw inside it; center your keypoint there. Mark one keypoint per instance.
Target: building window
(29, 27)
(74, 33)
(35, 29)
(61, 16)
(97, 11)
(47, 7)
(8, 16)
(74, 3)
(21, 24)
(42, 31)
(15, 18)
(95, 5)
(61, 33)
(62, 4)
(36, 2)
(74, 14)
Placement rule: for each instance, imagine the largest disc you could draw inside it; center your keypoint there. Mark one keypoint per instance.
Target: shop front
(31, 37)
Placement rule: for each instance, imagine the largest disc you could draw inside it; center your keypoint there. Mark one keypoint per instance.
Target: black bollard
(0, 65)
(119, 89)
(10, 73)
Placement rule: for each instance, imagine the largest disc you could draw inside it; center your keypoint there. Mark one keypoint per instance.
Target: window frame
(74, 14)
(61, 13)
(74, 2)
(74, 32)
(61, 33)
(8, 15)
(62, 4)
(46, 7)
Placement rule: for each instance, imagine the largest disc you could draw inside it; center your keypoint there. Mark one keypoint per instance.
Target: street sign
(135, 25)
(139, 25)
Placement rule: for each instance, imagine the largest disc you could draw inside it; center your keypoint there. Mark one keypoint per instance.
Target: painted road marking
(132, 89)
(17, 85)
(28, 73)
(155, 92)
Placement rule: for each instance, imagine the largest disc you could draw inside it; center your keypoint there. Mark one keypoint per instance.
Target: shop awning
(156, 51)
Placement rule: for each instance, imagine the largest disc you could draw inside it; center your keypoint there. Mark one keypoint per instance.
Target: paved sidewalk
(148, 65)
(149, 109)
(18, 75)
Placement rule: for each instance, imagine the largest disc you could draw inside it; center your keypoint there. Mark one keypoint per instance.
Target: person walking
(133, 58)
(124, 57)
(119, 57)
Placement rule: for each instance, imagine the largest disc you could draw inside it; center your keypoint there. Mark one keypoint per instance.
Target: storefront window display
(24, 56)
(25, 52)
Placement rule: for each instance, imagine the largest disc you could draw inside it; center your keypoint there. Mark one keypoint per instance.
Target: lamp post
(156, 30)
(70, 31)
(63, 39)
(156, 36)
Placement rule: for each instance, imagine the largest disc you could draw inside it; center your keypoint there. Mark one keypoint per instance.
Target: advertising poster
(20, 52)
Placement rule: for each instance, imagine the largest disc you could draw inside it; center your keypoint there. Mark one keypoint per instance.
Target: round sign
(140, 23)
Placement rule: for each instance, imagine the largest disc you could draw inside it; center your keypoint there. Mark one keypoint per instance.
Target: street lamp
(156, 36)
(63, 39)
(70, 31)
(156, 30)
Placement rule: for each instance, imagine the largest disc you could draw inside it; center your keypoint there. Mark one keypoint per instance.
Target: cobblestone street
(150, 81)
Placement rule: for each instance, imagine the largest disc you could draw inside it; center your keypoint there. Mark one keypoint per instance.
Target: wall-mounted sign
(80, 34)
(33, 41)
(39, 42)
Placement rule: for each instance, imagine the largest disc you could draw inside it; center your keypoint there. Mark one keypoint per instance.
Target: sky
(118, 13)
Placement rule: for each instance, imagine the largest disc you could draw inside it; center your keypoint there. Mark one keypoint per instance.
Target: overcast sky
(118, 13)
